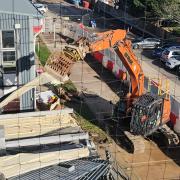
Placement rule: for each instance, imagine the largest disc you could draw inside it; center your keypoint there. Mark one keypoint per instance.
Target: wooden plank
(36, 114)
(35, 126)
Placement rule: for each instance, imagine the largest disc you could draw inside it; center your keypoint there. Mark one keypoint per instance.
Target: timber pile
(18, 161)
(34, 126)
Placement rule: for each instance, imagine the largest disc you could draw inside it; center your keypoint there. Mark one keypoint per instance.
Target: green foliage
(138, 4)
(169, 9)
(91, 128)
(69, 87)
(176, 31)
(43, 52)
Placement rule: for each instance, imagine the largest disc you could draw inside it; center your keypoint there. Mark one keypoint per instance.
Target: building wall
(24, 45)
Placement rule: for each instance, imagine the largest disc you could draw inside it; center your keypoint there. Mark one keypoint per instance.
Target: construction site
(78, 101)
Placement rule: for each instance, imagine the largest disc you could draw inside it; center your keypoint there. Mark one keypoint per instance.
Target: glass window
(8, 39)
(176, 53)
(9, 70)
(9, 56)
(9, 59)
(178, 58)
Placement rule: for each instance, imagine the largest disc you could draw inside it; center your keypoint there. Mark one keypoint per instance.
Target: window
(177, 58)
(7, 47)
(9, 59)
(177, 53)
(8, 39)
(9, 56)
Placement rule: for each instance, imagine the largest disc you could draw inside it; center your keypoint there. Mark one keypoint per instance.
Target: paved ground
(154, 163)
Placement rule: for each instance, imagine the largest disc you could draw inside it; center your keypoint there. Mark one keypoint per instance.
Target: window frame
(2, 49)
(2, 39)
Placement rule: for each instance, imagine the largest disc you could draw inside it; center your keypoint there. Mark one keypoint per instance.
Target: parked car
(41, 7)
(173, 62)
(157, 52)
(148, 43)
(178, 72)
(168, 53)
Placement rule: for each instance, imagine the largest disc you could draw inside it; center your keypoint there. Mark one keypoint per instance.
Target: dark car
(158, 51)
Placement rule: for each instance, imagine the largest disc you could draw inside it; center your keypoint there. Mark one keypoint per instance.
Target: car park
(173, 62)
(157, 52)
(41, 7)
(170, 52)
(148, 43)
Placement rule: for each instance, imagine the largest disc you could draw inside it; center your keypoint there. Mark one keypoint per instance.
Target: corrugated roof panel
(23, 7)
(82, 168)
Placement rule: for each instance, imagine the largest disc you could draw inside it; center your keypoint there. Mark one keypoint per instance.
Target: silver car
(148, 43)
(169, 52)
(173, 62)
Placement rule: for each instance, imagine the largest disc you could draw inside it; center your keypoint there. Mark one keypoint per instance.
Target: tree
(169, 9)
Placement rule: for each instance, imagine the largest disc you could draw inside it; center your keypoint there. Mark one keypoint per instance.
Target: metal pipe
(46, 140)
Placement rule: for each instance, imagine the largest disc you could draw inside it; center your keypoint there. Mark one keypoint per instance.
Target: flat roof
(21, 7)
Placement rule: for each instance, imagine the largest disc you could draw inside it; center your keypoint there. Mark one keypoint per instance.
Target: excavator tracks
(171, 137)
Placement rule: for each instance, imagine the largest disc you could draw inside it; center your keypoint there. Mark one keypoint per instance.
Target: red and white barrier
(109, 60)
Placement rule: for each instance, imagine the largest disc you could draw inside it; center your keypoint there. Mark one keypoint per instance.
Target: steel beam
(46, 140)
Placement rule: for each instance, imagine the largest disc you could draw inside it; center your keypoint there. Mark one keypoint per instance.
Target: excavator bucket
(59, 65)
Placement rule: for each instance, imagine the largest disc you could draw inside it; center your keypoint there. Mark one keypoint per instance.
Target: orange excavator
(148, 112)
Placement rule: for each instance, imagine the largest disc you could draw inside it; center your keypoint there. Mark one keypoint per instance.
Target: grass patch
(88, 126)
(176, 31)
(84, 118)
(43, 52)
(69, 87)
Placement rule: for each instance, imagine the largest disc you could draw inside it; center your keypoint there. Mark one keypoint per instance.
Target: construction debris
(38, 139)
(38, 81)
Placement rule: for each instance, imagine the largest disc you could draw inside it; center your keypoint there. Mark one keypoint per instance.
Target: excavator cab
(147, 114)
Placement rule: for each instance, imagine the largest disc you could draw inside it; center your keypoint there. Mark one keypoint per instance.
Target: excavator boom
(116, 39)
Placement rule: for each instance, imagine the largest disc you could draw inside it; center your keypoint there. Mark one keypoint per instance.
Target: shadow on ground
(172, 152)
(116, 130)
(116, 85)
(102, 118)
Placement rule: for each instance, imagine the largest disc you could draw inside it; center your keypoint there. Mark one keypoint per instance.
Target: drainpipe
(35, 36)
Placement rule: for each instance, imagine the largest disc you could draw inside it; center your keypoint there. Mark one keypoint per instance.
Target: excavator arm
(116, 39)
